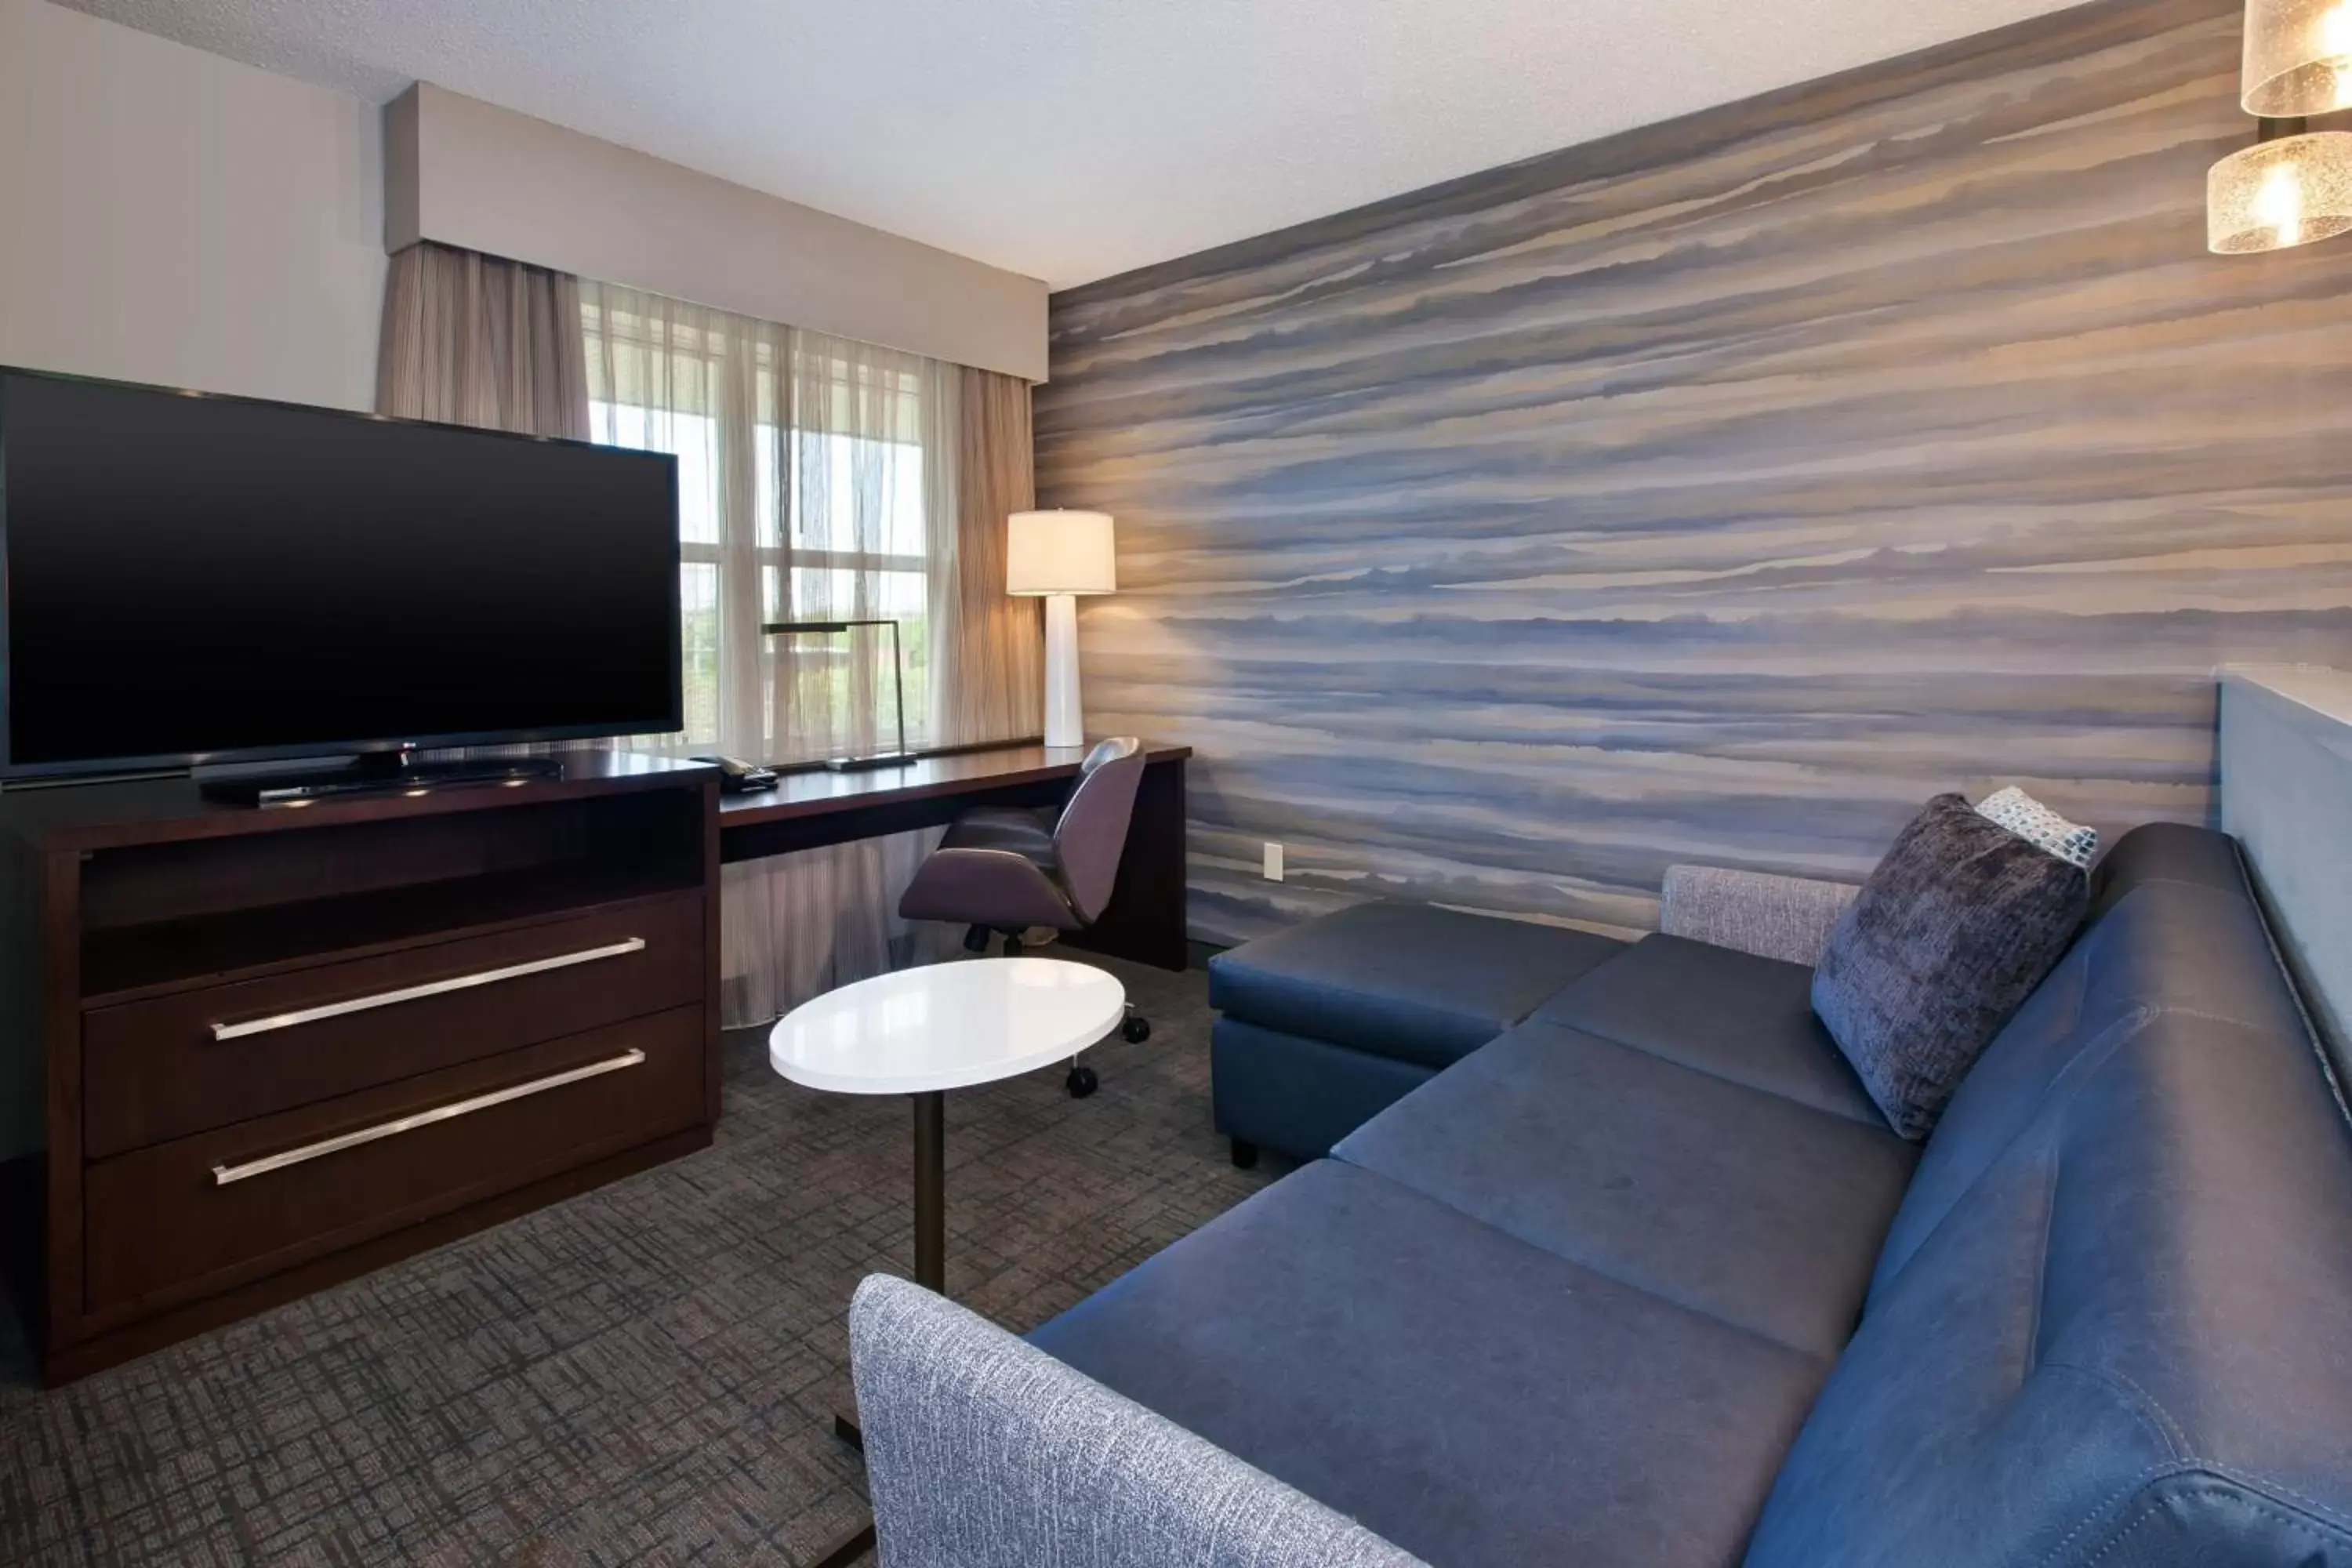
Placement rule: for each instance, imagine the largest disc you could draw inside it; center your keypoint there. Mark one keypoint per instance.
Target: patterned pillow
(1954, 929)
(2037, 824)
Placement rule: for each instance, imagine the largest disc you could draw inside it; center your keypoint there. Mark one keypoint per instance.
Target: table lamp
(1056, 556)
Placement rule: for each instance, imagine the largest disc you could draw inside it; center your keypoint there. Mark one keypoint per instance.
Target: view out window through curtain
(814, 475)
(818, 481)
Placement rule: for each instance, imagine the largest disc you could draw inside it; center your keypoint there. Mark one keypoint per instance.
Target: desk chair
(1001, 870)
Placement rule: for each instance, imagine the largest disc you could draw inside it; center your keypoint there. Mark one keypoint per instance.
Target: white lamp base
(1064, 727)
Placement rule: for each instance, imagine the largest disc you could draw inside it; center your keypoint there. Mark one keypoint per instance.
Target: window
(806, 492)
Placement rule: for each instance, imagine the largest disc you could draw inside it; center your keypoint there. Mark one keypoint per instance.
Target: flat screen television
(193, 579)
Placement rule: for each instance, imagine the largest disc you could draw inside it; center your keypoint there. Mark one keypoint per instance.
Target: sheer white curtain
(816, 482)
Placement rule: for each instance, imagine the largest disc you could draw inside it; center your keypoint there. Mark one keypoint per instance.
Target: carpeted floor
(643, 1375)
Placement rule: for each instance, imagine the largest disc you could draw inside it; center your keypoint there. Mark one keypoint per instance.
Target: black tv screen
(193, 578)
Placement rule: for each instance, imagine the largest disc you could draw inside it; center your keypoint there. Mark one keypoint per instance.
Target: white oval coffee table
(920, 1032)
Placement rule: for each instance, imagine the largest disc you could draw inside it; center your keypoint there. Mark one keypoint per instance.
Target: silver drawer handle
(430, 988)
(224, 1174)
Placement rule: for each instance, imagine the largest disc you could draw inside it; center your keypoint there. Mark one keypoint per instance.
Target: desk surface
(816, 793)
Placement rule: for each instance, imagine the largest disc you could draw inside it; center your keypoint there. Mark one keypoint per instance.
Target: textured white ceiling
(1073, 139)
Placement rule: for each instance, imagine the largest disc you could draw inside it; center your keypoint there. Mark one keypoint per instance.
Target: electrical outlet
(1273, 862)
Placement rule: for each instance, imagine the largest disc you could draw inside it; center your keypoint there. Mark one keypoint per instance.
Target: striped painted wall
(1721, 490)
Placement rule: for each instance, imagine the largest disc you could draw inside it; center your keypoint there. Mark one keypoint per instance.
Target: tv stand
(285, 1047)
(373, 773)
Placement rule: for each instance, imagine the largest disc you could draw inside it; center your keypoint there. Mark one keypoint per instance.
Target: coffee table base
(858, 1542)
(851, 1547)
(930, 1273)
(931, 1190)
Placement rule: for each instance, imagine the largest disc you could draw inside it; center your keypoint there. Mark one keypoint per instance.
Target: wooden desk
(1145, 921)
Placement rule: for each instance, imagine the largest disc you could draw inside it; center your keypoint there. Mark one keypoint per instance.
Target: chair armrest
(983, 1451)
(1787, 918)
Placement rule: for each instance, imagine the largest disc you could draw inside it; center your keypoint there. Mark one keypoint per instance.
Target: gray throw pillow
(1952, 932)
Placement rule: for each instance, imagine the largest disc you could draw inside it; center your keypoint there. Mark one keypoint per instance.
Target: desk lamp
(1057, 555)
(898, 759)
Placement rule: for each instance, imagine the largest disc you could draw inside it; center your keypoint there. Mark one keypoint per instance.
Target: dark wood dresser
(284, 1046)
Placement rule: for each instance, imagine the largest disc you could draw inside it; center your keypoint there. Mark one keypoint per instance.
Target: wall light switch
(1273, 862)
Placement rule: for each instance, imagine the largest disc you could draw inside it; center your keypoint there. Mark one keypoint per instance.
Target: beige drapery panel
(992, 646)
(473, 340)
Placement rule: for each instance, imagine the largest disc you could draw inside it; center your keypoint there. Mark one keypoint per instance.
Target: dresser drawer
(208, 1057)
(204, 1212)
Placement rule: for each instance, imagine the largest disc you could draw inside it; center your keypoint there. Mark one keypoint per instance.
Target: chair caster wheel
(1081, 1082)
(1136, 1030)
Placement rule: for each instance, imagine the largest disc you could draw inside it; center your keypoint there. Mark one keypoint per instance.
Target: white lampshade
(2279, 194)
(1060, 552)
(2298, 58)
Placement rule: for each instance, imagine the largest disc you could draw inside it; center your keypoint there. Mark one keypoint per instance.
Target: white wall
(480, 177)
(167, 216)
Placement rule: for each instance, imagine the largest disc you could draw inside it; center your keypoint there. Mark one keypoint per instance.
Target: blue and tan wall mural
(1721, 490)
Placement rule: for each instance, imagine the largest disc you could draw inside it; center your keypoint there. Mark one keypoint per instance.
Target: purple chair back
(1092, 829)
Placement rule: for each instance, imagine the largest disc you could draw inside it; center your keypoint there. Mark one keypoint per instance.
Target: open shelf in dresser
(219, 988)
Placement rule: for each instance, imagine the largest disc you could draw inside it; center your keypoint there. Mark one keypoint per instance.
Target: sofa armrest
(1772, 916)
(983, 1451)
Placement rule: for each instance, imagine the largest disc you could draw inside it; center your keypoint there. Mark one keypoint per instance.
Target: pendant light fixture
(2298, 58)
(2289, 191)
(2295, 184)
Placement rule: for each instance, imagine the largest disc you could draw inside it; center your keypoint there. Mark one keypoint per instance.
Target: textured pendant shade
(2298, 58)
(2279, 194)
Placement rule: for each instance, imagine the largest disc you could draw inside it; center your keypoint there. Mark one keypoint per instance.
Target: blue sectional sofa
(1322, 1027)
(1644, 1279)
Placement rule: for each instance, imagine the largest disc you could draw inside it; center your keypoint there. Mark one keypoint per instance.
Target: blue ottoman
(1324, 1025)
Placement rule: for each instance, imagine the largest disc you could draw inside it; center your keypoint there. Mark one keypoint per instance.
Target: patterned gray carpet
(643, 1375)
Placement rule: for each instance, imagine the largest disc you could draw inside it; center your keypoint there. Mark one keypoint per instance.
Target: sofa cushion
(1952, 931)
(1734, 1014)
(1472, 1398)
(1409, 981)
(2129, 1246)
(2178, 943)
(2124, 1344)
(1744, 1205)
(2165, 852)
